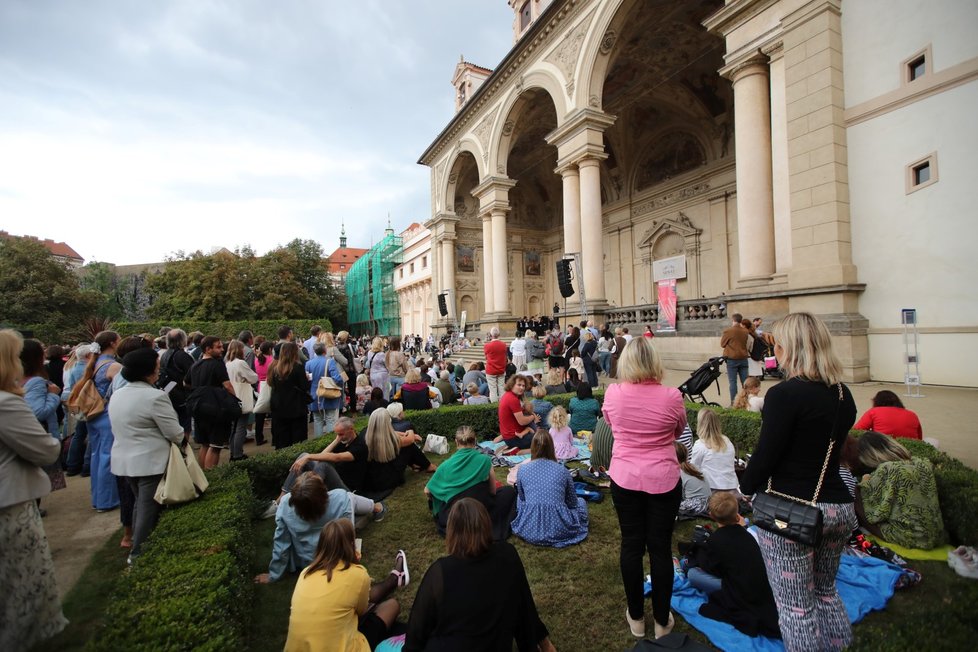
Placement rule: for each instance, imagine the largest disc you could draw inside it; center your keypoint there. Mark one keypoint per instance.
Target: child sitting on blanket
(541, 406)
(561, 433)
(731, 572)
(696, 493)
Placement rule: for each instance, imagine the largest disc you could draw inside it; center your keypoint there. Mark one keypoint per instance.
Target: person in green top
(584, 410)
(896, 499)
(468, 474)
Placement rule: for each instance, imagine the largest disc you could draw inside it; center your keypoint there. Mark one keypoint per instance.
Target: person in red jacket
(495, 350)
(890, 417)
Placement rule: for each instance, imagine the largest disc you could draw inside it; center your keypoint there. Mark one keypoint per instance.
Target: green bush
(190, 589)
(224, 329)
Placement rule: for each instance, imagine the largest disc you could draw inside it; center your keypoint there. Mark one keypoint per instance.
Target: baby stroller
(700, 381)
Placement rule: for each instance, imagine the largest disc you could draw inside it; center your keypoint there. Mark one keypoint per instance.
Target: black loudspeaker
(442, 306)
(564, 278)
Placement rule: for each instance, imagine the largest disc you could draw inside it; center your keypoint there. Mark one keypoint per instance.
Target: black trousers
(289, 430)
(646, 522)
(146, 511)
(324, 470)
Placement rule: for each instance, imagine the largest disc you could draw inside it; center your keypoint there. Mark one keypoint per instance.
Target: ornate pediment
(680, 225)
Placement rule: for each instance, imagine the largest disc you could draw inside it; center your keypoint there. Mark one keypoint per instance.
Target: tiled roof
(59, 249)
(341, 259)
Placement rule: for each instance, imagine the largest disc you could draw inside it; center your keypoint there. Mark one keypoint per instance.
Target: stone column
(592, 251)
(448, 270)
(571, 182)
(500, 270)
(489, 299)
(752, 131)
(779, 159)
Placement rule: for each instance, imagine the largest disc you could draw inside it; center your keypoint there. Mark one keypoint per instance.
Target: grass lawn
(578, 589)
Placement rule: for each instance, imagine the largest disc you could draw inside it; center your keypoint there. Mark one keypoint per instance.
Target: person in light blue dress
(103, 367)
(548, 511)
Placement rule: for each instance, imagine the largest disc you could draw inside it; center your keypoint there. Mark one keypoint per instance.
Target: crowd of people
(198, 390)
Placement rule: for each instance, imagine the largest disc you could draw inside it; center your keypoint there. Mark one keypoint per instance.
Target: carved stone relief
(482, 129)
(670, 198)
(564, 56)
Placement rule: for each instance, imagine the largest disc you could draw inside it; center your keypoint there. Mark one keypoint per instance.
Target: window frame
(911, 173)
(908, 65)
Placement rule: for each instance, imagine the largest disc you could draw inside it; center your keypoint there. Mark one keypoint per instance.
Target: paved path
(75, 531)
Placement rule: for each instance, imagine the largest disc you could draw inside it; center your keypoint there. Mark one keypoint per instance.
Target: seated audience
(475, 375)
(334, 607)
(749, 398)
(889, 417)
(696, 492)
(560, 432)
(468, 474)
(731, 572)
(713, 453)
(897, 498)
(555, 381)
(400, 424)
(363, 391)
(343, 463)
(389, 454)
(375, 402)
(573, 380)
(602, 441)
(516, 424)
(300, 518)
(548, 511)
(415, 394)
(477, 597)
(447, 388)
(584, 410)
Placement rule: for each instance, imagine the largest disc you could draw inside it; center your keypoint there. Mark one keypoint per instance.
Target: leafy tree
(98, 277)
(36, 288)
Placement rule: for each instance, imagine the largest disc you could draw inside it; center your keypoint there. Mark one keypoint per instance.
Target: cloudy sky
(133, 129)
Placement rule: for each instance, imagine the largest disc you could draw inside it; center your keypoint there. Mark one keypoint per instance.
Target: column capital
(441, 218)
(582, 134)
(774, 51)
(567, 170)
(591, 159)
(493, 193)
(756, 63)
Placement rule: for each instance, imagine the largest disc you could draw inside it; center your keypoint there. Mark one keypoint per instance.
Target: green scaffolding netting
(372, 305)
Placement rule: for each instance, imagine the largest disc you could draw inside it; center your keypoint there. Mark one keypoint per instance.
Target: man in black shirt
(210, 371)
(346, 458)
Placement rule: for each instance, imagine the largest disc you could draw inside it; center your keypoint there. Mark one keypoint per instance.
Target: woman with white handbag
(242, 378)
(144, 424)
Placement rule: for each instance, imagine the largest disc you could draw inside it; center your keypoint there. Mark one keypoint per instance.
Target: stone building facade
(412, 281)
(770, 143)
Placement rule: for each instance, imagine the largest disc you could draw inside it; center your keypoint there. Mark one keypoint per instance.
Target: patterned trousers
(810, 613)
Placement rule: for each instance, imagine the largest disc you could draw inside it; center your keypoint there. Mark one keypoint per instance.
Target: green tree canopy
(289, 282)
(36, 288)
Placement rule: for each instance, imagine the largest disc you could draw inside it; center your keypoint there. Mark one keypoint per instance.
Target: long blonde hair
(235, 351)
(558, 417)
(709, 431)
(741, 402)
(382, 442)
(11, 369)
(377, 345)
(806, 349)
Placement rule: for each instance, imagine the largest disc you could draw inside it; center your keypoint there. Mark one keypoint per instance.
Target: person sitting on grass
(696, 492)
(415, 394)
(584, 409)
(541, 406)
(555, 381)
(713, 453)
(474, 397)
(334, 607)
(548, 511)
(896, 499)
(477, 597)
(342, 464)
(375, 402)
(749, 398)
(731, 572)
(301, 515)
(560, 432)
(389, 454)
(468, 474)
(516, 426)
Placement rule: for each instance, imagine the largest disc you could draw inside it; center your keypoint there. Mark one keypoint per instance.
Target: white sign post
(911, 357)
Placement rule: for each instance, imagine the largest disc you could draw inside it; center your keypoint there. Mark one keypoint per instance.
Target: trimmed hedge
(190, 589)
(226, 330)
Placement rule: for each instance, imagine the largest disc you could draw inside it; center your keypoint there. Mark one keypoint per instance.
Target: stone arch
(457, 159)
(597, 53)
(467, 304)
(535, 305)
(515, 105)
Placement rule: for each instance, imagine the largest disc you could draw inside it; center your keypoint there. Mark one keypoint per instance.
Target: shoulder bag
(182, 480)
(791, 517)
(84, 399)
(327, 387)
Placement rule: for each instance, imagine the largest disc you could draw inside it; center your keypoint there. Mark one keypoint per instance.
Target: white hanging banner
(669, 268)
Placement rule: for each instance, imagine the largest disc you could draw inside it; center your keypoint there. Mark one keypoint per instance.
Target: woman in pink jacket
(646, 418)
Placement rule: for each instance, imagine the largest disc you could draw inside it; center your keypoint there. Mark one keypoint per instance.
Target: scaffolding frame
(372, 304)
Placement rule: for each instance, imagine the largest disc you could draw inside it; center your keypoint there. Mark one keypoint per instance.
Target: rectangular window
(525, 16)
(424, 262)
(918, 65)
(401, 272)
(922, 173)
(412, 268)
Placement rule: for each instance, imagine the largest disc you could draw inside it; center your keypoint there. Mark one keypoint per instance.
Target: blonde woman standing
(376, 365)
(30, 610)
(805, 423)
(397, 366)
(713, 453)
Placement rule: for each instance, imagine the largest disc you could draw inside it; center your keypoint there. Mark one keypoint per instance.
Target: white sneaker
(270, 510)
(964, 561)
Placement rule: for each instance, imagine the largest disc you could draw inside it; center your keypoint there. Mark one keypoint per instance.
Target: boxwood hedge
(191, 589)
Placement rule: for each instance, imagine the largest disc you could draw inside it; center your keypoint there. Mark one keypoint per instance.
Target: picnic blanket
(865, 584)
(937, 554)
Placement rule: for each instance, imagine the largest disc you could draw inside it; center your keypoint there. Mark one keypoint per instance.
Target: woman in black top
(290, 398)
(477, 598)
(801, 417)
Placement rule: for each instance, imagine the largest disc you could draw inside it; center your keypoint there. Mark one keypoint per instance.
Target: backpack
(327, 387)
(759, 350)
(557, 348)
(164, 378)
(213, 404)
(85, 399)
